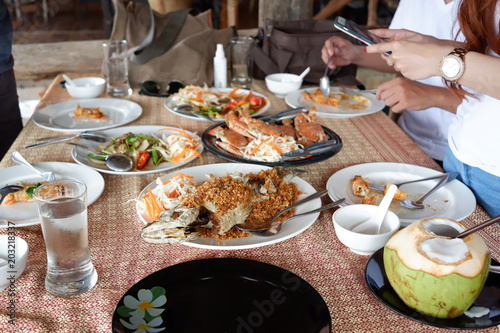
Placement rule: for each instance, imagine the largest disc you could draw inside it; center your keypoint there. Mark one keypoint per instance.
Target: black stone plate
(380, 287)
(232, 295)
(210, 144)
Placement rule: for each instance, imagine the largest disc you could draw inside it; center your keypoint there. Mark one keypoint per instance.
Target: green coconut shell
(442, 297)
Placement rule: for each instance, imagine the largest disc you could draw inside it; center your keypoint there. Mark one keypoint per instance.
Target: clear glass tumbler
(241, 62)
(115, 68)
(62, 206)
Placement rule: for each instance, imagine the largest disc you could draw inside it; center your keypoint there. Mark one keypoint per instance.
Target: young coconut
(435, 274)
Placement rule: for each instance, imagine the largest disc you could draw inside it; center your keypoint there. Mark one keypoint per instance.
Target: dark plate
(210, 143)
(232, 295)
(381, 288)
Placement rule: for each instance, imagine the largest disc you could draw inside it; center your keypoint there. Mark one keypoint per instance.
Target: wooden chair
(18, 4)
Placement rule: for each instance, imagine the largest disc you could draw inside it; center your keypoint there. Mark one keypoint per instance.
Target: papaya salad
(215, 103)
(149, 151)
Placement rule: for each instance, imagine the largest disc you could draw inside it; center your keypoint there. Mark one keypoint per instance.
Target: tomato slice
(143, 158)
(255, 101)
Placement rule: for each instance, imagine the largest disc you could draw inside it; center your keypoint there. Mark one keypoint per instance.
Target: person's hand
(343, 52)
(413, 60)
(403, 34)
(402, 94)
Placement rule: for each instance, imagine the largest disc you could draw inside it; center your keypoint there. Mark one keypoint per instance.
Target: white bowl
(347, 217)
(15, 252)
(281, 84)
(86, 87)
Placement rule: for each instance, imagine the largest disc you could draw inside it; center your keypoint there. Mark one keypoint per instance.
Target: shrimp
(360, 186)
(26, 194)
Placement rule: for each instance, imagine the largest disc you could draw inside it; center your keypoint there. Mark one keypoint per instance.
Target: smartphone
(354, 30)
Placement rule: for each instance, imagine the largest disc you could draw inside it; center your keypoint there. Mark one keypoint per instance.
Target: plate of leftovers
(20, 207)
(87, 114)
(379, 285)
(215, 103)
(250, 140)
(342, 102)
(222, 294)
(454, 200)
(201, 206)
(151, 148)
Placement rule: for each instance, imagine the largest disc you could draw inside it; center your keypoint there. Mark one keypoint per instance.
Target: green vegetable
(154, 154)
(29, 190)
(144, 137)
(97, 157)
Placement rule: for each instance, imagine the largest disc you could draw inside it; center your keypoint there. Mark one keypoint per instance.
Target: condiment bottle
(220, 68)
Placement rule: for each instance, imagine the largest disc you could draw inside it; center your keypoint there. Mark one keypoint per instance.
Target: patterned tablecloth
(122, 258)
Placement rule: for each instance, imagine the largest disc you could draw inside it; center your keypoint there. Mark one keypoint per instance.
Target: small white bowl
(86, 87)
(15, 253)
(347, 217)
(281, 84)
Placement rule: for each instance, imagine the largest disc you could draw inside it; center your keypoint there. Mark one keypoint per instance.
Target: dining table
(122, 258)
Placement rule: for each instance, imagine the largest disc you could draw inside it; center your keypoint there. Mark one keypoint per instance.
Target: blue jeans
(484, 185)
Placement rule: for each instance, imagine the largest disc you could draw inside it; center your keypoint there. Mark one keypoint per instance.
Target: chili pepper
(143, 158)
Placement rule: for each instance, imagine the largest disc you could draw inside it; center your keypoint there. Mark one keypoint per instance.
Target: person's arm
(344, 53)
(421, 60)
(403, 94)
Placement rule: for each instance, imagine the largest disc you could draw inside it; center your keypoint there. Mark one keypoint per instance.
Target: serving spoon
(373, 224)
(116, 162)
(189, 110)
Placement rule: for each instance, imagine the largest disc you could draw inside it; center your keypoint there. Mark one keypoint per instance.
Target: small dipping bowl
(347, 217)
(281, 84)
(18, 257)
(86, 87)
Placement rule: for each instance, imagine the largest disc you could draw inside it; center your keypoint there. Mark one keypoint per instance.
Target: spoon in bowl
(68, 80)
(373, 224)
(299, 78)
(324, 82)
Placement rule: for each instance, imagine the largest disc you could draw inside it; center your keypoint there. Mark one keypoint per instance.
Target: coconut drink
(433, 273)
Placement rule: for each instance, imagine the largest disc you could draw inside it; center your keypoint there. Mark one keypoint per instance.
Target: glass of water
(62, 206)
(241, 63)
(115, 68)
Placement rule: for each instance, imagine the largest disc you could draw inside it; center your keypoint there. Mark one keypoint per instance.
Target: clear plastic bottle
(220, 68)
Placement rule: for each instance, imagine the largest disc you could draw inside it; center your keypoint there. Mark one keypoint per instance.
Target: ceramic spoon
(300, 78)
(373, 224)
(68, 80)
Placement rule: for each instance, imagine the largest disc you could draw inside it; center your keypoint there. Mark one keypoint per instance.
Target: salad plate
(379, 285)
(170, 104)
(210, 142)
(223, 295)
(454, 200)
(60, 117)
(26, 213)
(80, 155)
(201, 173)
(295, 99)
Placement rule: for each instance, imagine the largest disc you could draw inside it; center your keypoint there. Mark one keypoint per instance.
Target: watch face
(451, 66)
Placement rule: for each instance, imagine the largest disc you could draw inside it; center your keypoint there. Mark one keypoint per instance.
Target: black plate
(232, 295)
(210, 143)
(381, 288)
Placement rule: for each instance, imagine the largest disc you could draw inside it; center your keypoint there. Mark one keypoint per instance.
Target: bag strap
(149, 48)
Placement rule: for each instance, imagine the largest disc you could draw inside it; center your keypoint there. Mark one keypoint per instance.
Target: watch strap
(460, 53)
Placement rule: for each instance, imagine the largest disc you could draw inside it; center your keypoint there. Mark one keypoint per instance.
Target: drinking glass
(241, 63)
(115, 68)
(62, 207)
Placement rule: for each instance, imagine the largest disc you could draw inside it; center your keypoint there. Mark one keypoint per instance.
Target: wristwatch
(452, 66)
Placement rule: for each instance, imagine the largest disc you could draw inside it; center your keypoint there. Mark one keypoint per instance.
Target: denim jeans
(484, 185)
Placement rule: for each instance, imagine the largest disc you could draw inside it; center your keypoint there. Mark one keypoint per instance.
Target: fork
(381, 188)
(18, 158)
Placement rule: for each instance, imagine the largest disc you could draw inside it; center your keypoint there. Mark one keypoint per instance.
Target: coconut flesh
(433, 273)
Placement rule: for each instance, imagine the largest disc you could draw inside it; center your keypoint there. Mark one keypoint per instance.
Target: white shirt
(429, 127)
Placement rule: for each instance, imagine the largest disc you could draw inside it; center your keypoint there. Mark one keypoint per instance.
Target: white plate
(59, 117)
(454, 200)
(26, 213)
(80, 155)
(169, 105)
(291, 229)
(295, 100)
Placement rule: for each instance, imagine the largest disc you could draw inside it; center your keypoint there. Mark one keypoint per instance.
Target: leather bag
(292, 46)
(166, 47)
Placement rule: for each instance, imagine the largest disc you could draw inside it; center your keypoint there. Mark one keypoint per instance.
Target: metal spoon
(373, 224)
(447, 177)
(324, 82)
(116, 162)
